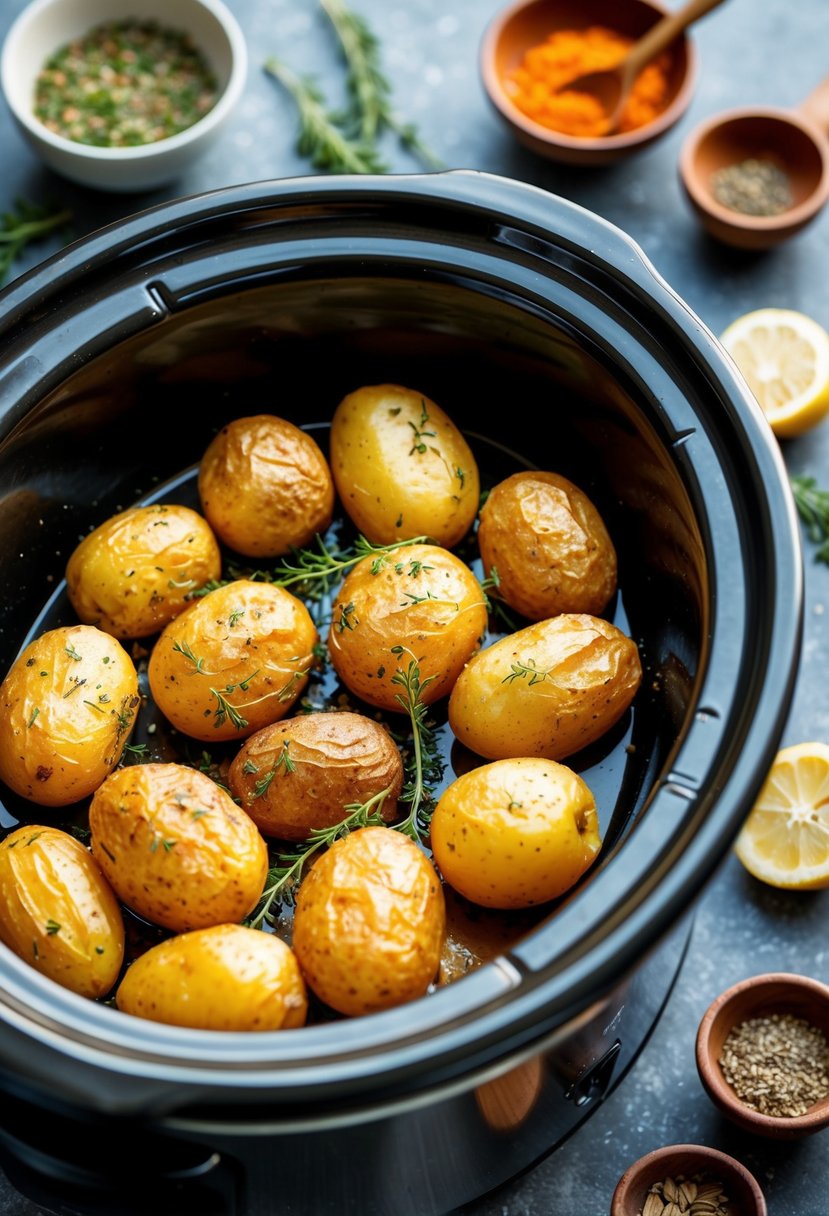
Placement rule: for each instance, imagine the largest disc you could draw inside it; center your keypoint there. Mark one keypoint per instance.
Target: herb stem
(320, 139)
(30, 223)
(813, 507)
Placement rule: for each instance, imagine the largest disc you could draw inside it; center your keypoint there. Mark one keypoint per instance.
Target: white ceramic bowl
(46, 25)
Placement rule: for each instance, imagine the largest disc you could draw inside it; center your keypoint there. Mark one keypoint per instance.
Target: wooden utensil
(612, 86)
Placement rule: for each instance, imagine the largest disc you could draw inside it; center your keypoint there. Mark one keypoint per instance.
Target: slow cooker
(551, 341)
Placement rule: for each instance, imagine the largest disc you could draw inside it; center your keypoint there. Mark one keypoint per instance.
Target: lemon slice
(784, 356)
(785, 839)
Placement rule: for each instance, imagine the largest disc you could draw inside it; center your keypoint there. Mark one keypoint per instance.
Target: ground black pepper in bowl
(753, 187)
(123, 84)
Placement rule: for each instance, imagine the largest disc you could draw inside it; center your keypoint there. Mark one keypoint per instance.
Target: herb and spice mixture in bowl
(122, 100)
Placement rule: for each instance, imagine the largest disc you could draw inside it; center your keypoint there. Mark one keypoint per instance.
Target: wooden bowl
(525, 23)
(759, 996)
(787, 139)
(687, 1161)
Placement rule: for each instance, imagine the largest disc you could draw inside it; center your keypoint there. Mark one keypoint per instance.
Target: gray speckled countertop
(751, 51)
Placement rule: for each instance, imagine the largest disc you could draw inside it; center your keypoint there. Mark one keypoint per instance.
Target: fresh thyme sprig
(813, 507)
(495, 605)
(326, 564)
(286, 875)
(28, 222)
(425, 766)
(320, 139)
(371, 109)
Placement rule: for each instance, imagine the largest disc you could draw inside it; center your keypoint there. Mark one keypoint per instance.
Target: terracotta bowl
(757, 997)
(525, 23)
(784, 137)
(687, 1161)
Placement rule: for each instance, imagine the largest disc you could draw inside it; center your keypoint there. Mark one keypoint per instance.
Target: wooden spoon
(611, 86)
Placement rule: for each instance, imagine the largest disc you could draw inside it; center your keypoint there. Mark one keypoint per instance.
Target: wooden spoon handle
(815, 107)
(663, 33)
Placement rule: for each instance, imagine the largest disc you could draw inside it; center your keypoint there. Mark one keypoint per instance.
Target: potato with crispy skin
(547, 690)
(236, 660)
(298, 775)
(369, 922)
(401, 467)
(417, 604)
(67, 707)
(134, 572)
(265, 486)
(549, 546)
(226, 977)
(57, 911)
(176, 848)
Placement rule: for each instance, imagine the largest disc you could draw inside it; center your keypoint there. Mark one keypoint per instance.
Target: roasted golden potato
(265, 486)
(369, 922)
(133, 573)
(176, 848)
(515, 833)
(300, 774)
(547, 690)
(549, 546)
(226, 977)
(401, 467)
(67, 707)
(418, 603)
(57, 911)
(234, 661)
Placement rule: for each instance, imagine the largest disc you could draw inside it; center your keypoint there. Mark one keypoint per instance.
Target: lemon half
(785, 839)
(784, 356)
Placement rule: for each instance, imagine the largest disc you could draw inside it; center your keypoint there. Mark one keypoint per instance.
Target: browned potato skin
(245, 633)
(176, 848)
(57, 911)
(549, 546)
(133, 573)
(265, 486)
(334, 759)
(401, 466)
(587, 673)
(437, 614)
(226, 977)
(64, 720)
(369, 922)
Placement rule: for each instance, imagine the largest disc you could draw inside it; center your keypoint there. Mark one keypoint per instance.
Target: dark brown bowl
(759, 996)
(687, 1161)
(525, 23)
(786, 138)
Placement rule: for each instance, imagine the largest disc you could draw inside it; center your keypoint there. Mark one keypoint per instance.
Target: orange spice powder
(538, 86)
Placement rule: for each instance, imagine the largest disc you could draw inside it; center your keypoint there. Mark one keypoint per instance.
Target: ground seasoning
(777, 1065)
(753, 187)
(538, 86)
(123, 84)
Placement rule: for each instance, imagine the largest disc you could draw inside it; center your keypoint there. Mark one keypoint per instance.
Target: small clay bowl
(793, 140)
(525, 23)
(687, 1161)
(759, 996)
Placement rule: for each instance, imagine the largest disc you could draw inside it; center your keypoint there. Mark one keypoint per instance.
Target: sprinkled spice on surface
(680, 1196)
(777, 1065)
(123, 84)
(753, 187)
(538, 87)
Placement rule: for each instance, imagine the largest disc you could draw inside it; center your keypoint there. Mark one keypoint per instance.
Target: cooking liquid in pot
(475, 935)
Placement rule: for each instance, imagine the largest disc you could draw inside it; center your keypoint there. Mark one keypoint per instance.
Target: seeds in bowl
(697, 1196)
(777, 1065)
(124, 84)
